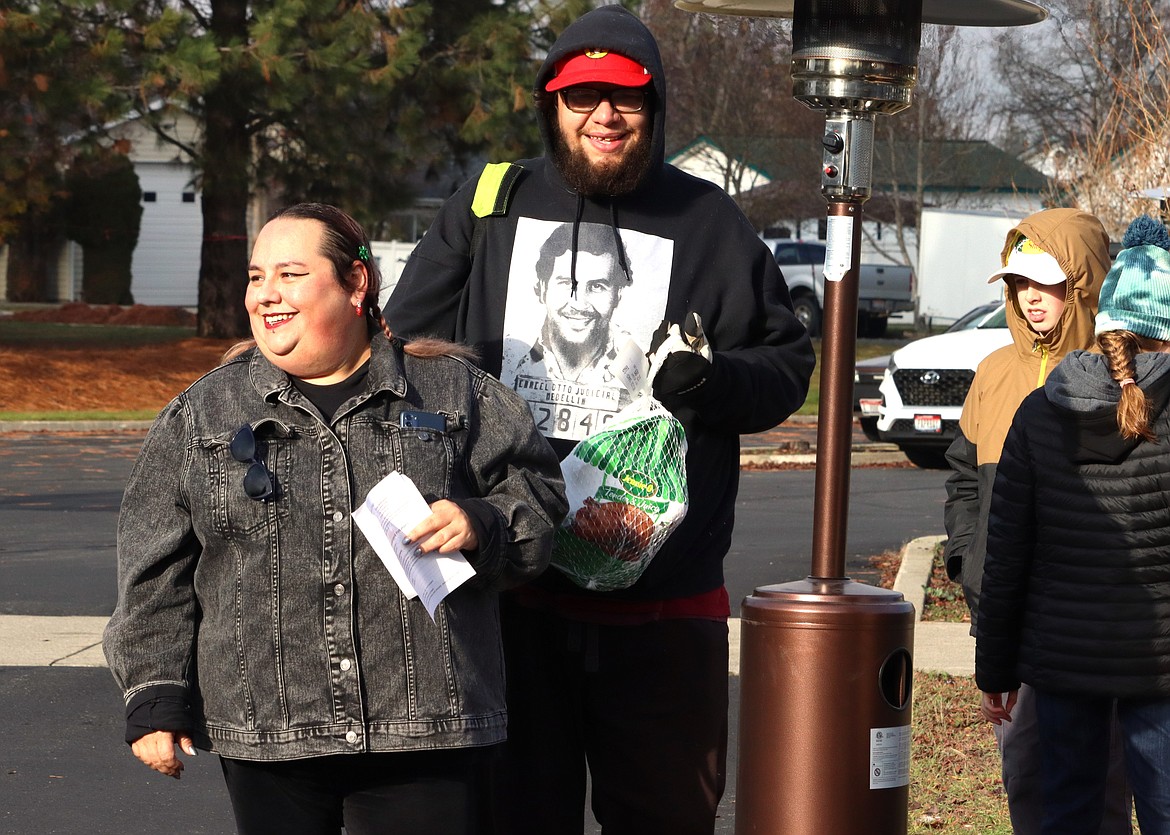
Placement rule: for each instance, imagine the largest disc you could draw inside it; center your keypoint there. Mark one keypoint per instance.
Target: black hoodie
(687, 247)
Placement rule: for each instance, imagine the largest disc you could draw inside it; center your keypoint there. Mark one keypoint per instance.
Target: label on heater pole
(889, 757)
(838, 247)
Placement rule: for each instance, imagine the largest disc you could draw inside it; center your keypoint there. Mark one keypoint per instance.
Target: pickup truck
(883, 288)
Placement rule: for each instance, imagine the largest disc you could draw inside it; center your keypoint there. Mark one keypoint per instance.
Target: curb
(861, 455)
(60, 426)
(938, 647)
(914, 570)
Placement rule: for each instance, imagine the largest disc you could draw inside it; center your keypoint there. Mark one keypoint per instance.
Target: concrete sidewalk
(938, 647)
(29, 641)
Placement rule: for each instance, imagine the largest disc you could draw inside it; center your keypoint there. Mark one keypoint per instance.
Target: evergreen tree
(61, 77)
(287, 94)
(354, 102)
(337, 100)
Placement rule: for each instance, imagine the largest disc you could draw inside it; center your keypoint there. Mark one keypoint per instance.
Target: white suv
(927, 380)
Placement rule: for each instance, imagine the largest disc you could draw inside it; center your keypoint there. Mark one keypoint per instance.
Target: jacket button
(345, 665)
(339, 590)
(338, 516)
(424, 436)
(351, 736)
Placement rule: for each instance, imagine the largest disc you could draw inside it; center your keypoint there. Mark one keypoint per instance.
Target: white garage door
(165, 270)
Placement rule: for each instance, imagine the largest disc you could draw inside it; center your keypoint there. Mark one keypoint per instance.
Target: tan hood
(1078, 242)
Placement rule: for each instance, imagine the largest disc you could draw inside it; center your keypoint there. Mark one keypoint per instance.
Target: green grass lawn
(955, 784)
(866, 348)
(31, 334)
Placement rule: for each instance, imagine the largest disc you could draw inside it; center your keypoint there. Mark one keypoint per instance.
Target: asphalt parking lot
(63, 767)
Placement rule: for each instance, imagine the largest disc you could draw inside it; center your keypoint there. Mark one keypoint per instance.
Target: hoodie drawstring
(573, 255)
(617, 240)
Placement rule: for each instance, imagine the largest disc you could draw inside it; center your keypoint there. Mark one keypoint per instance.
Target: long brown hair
(1120, 347)
(344, 242)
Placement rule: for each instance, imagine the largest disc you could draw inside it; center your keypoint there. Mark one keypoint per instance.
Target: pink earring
(357, 310)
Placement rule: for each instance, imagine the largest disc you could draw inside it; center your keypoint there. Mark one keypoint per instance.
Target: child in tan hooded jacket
(1055, 262)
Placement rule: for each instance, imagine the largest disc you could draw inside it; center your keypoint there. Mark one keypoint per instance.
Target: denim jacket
(276, 618)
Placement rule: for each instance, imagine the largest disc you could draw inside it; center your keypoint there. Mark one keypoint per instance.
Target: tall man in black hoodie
(631, 684)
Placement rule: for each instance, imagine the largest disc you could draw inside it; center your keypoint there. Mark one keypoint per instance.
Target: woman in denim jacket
(254, 618)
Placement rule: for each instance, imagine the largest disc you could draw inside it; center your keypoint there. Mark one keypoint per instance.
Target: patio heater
(825, 662)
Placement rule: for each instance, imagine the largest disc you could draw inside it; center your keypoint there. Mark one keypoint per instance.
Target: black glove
(685, 357)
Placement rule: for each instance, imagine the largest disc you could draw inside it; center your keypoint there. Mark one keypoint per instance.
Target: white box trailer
(957, 251)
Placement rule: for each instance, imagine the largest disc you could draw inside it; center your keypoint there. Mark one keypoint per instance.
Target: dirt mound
(97, 379)
(109, 314)
(95, 376)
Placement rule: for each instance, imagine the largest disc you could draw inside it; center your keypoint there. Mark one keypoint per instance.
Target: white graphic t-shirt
(561, 341)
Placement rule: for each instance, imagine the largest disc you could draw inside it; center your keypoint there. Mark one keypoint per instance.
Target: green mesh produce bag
(627, 491)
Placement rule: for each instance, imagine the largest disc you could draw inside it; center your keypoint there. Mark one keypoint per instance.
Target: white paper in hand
(393, 507)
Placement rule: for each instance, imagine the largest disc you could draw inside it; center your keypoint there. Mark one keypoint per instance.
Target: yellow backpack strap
(494, 189)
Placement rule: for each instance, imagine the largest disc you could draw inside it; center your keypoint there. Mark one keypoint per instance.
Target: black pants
(411, 793)
(643, 707)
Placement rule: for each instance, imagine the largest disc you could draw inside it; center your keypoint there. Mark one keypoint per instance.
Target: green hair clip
(363, 253)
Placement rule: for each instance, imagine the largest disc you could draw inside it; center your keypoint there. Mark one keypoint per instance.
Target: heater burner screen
(888, 31)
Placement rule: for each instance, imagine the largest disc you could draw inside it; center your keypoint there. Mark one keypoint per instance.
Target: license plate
(870, 407)
(928, 423)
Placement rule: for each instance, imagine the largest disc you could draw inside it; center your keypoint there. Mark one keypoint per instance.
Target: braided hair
(1120, 347)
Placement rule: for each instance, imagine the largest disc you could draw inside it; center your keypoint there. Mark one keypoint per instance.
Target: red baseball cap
(597, 66)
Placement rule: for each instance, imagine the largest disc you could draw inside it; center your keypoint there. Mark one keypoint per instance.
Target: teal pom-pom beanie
(1145, 230)
(1136, 293)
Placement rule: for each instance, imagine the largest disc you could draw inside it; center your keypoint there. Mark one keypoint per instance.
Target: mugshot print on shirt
(559, 345)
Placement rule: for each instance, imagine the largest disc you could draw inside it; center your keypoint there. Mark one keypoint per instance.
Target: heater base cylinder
(824, 726)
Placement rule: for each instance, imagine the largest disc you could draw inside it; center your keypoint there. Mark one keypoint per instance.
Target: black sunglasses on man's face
(621, 99)
(257, 479)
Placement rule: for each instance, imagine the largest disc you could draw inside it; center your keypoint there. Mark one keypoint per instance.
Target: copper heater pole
(835, 414)
(825, 662)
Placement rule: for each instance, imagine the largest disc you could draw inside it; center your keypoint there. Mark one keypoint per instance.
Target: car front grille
(933, 387)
